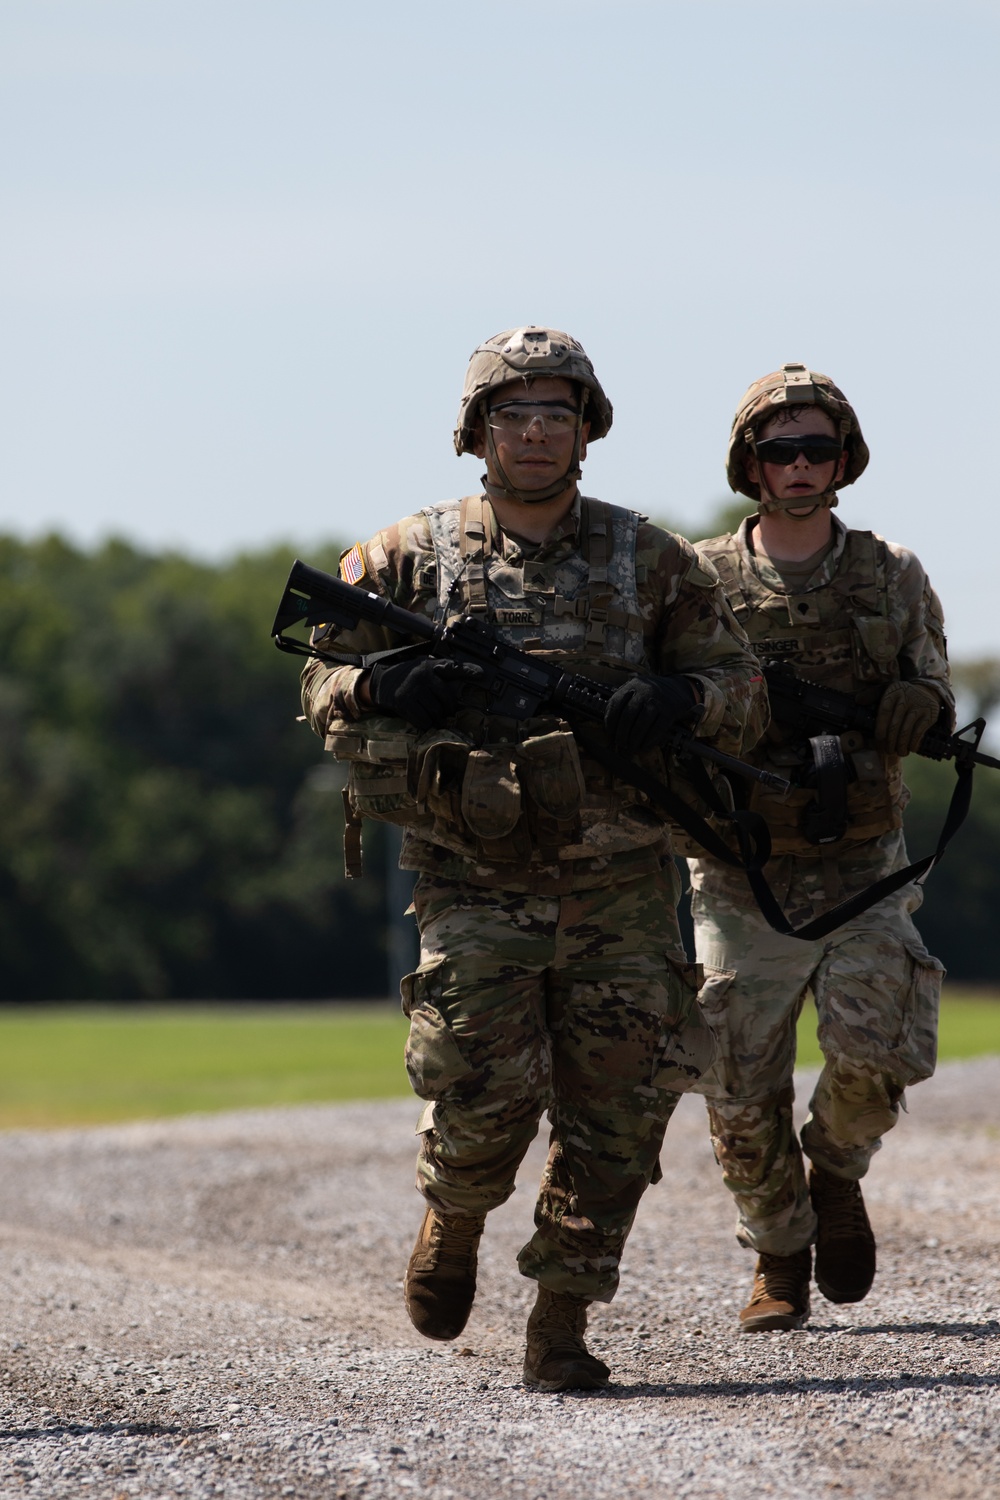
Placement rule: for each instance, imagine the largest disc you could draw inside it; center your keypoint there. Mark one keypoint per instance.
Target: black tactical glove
(424, 692)
(643, 711)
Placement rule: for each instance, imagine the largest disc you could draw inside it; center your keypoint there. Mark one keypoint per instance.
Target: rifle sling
(750, 828)
(862, 901)
(755, 842)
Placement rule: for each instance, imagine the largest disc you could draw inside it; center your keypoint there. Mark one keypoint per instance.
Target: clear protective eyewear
(516, 418)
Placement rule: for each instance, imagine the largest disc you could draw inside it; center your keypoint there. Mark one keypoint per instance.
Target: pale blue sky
(249, 247)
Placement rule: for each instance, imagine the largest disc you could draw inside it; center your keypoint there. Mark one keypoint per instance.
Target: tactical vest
(840, 634)
(499, 791)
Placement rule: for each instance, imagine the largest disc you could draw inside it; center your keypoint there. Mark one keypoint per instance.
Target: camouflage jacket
(867, 616)
(606, 593)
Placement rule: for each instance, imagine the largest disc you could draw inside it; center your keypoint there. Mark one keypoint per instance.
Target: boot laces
(848, 1217)
(455, 1241)
(561, 1327)
(779, 1279)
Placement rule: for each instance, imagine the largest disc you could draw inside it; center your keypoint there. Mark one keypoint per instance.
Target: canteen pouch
(552, 774)
(491, 793)
(436, 773)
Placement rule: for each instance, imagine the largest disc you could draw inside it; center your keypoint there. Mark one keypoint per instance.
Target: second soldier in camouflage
(849, 611)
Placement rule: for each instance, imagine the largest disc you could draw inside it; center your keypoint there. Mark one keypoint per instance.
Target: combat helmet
(521, 353)
(793, 384)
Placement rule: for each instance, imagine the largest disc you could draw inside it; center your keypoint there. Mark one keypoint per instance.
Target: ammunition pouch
(496, 801)
(824, 821)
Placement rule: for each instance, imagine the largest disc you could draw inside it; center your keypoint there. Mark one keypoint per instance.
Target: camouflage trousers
(876, 990)
(582, 1005)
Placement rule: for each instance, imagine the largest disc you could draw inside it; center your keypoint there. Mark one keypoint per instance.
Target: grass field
(78, 1066)
(82, 1066)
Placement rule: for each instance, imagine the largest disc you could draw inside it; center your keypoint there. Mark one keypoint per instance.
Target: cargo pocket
(435, 1063)
(688, 1044)
(915, 1055)
(713, 1005)
(491, 794)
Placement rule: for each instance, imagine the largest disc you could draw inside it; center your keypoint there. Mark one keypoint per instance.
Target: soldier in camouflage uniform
(551, 975)
(853, 612)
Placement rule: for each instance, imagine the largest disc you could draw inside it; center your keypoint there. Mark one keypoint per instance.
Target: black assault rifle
(520, 685)
(517, 684)
(811, 709)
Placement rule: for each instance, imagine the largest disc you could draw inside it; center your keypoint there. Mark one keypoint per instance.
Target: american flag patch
(352, 564)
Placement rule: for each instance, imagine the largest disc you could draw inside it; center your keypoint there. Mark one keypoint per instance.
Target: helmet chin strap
(506, 490)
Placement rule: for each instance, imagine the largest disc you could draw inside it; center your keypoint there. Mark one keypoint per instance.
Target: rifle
(518, 685)
(811, 709)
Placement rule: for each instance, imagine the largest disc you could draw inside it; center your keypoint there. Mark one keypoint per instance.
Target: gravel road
(212, 1306)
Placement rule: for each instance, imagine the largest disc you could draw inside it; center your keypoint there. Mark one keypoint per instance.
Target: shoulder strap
(596, 543)
(475, 546)
(728, 569)
(881, 570)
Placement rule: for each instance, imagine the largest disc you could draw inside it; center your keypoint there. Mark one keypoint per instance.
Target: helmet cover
(794, 384)
(522, 353)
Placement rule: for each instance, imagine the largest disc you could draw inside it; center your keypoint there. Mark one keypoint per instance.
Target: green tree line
(168, 830)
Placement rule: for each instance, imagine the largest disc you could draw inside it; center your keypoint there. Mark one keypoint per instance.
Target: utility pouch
(435, 774)
(824, 819)
(877, 643)
(491, 793)
(376, 753)
(551, 773)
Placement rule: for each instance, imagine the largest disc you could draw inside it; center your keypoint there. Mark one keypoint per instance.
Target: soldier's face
(800, 478)
(535, 457)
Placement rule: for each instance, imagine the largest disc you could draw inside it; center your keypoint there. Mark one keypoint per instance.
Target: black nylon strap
(755, 841)
(750, 829)
(854, 906)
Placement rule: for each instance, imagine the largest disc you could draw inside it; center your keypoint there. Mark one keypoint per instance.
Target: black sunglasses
(785, 450)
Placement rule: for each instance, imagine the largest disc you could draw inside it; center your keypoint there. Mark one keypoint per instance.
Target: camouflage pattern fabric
(581, 1005)
(686, 621)
(876, 990)
(551, 975)
(867, 617)
(791, 386)
(538, 596)
(524, 352)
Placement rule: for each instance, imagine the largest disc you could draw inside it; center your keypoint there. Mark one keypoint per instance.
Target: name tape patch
(518, 617)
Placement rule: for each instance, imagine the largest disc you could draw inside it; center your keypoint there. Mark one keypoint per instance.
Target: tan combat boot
(780, 1297)
(557, 1359)
(845, 1245)
(440, 1284)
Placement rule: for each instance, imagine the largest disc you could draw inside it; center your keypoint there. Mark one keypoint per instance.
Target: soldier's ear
(479, 441)
(752, 467)
(584, 435)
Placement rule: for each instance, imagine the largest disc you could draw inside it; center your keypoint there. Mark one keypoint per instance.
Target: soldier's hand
(906, 712)
(642, 712)
(426, 692)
